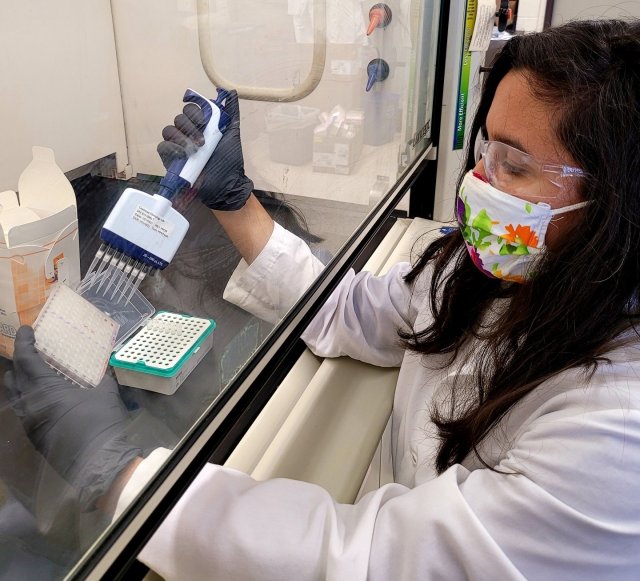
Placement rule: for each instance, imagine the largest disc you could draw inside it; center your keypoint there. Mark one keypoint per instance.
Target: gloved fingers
(13, 393)
(188, 128)
(26, 359)
(10, 385)
(174, 135)
(25, 340)
(169, 152)
(232, 106)
(108, 385)
(195, 115)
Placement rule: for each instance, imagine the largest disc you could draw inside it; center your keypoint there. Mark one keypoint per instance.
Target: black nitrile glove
(81, 432)
(222, 184)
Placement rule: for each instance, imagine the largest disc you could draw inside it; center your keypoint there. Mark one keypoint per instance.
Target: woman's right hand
(222, 185)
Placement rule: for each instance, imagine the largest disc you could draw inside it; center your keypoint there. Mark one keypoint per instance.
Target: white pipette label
(152, 221)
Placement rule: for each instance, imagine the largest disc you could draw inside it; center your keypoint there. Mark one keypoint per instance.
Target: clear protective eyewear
(516, 172)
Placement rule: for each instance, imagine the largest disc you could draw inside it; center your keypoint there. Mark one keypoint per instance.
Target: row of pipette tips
(165, 327)
(111, 264)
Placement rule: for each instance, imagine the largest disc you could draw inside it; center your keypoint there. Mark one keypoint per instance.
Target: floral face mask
(504, 234)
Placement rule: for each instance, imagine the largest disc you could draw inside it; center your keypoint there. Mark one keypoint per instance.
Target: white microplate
(74, 337)
(163, 341)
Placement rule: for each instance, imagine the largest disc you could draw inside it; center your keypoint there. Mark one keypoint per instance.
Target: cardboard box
(38, 243)
(337, 142)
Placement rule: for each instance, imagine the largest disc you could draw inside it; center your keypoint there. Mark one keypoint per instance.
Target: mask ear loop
(566, 209)
(560, 211)
(570, 208)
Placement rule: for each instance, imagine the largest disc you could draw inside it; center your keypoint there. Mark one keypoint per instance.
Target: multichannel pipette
(143, 231)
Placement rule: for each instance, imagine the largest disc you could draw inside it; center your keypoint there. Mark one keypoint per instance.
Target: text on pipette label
(152, 221)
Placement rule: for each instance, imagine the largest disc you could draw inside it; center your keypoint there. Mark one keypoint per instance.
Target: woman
(516, 423)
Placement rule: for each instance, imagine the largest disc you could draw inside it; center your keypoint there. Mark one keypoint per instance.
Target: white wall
(59, 84)
(531, 15)
(564, 10)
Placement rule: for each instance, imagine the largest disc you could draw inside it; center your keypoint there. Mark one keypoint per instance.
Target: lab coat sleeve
(564, 507)
(144, 472)
(276, 279)
(360, 319)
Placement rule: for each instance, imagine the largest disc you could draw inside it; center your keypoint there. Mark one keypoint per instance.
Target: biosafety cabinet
(353, 119)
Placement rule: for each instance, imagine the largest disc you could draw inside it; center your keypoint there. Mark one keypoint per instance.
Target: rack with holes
(165, 351)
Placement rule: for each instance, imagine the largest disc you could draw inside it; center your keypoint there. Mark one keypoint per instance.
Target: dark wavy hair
(586, 290)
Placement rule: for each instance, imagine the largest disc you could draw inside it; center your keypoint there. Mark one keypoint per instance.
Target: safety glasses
(516, 172)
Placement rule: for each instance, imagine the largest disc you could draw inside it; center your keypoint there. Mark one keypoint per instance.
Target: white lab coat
(570, 511)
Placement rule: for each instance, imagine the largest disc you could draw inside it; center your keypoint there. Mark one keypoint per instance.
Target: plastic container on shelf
(381, 116)
(290, 132)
